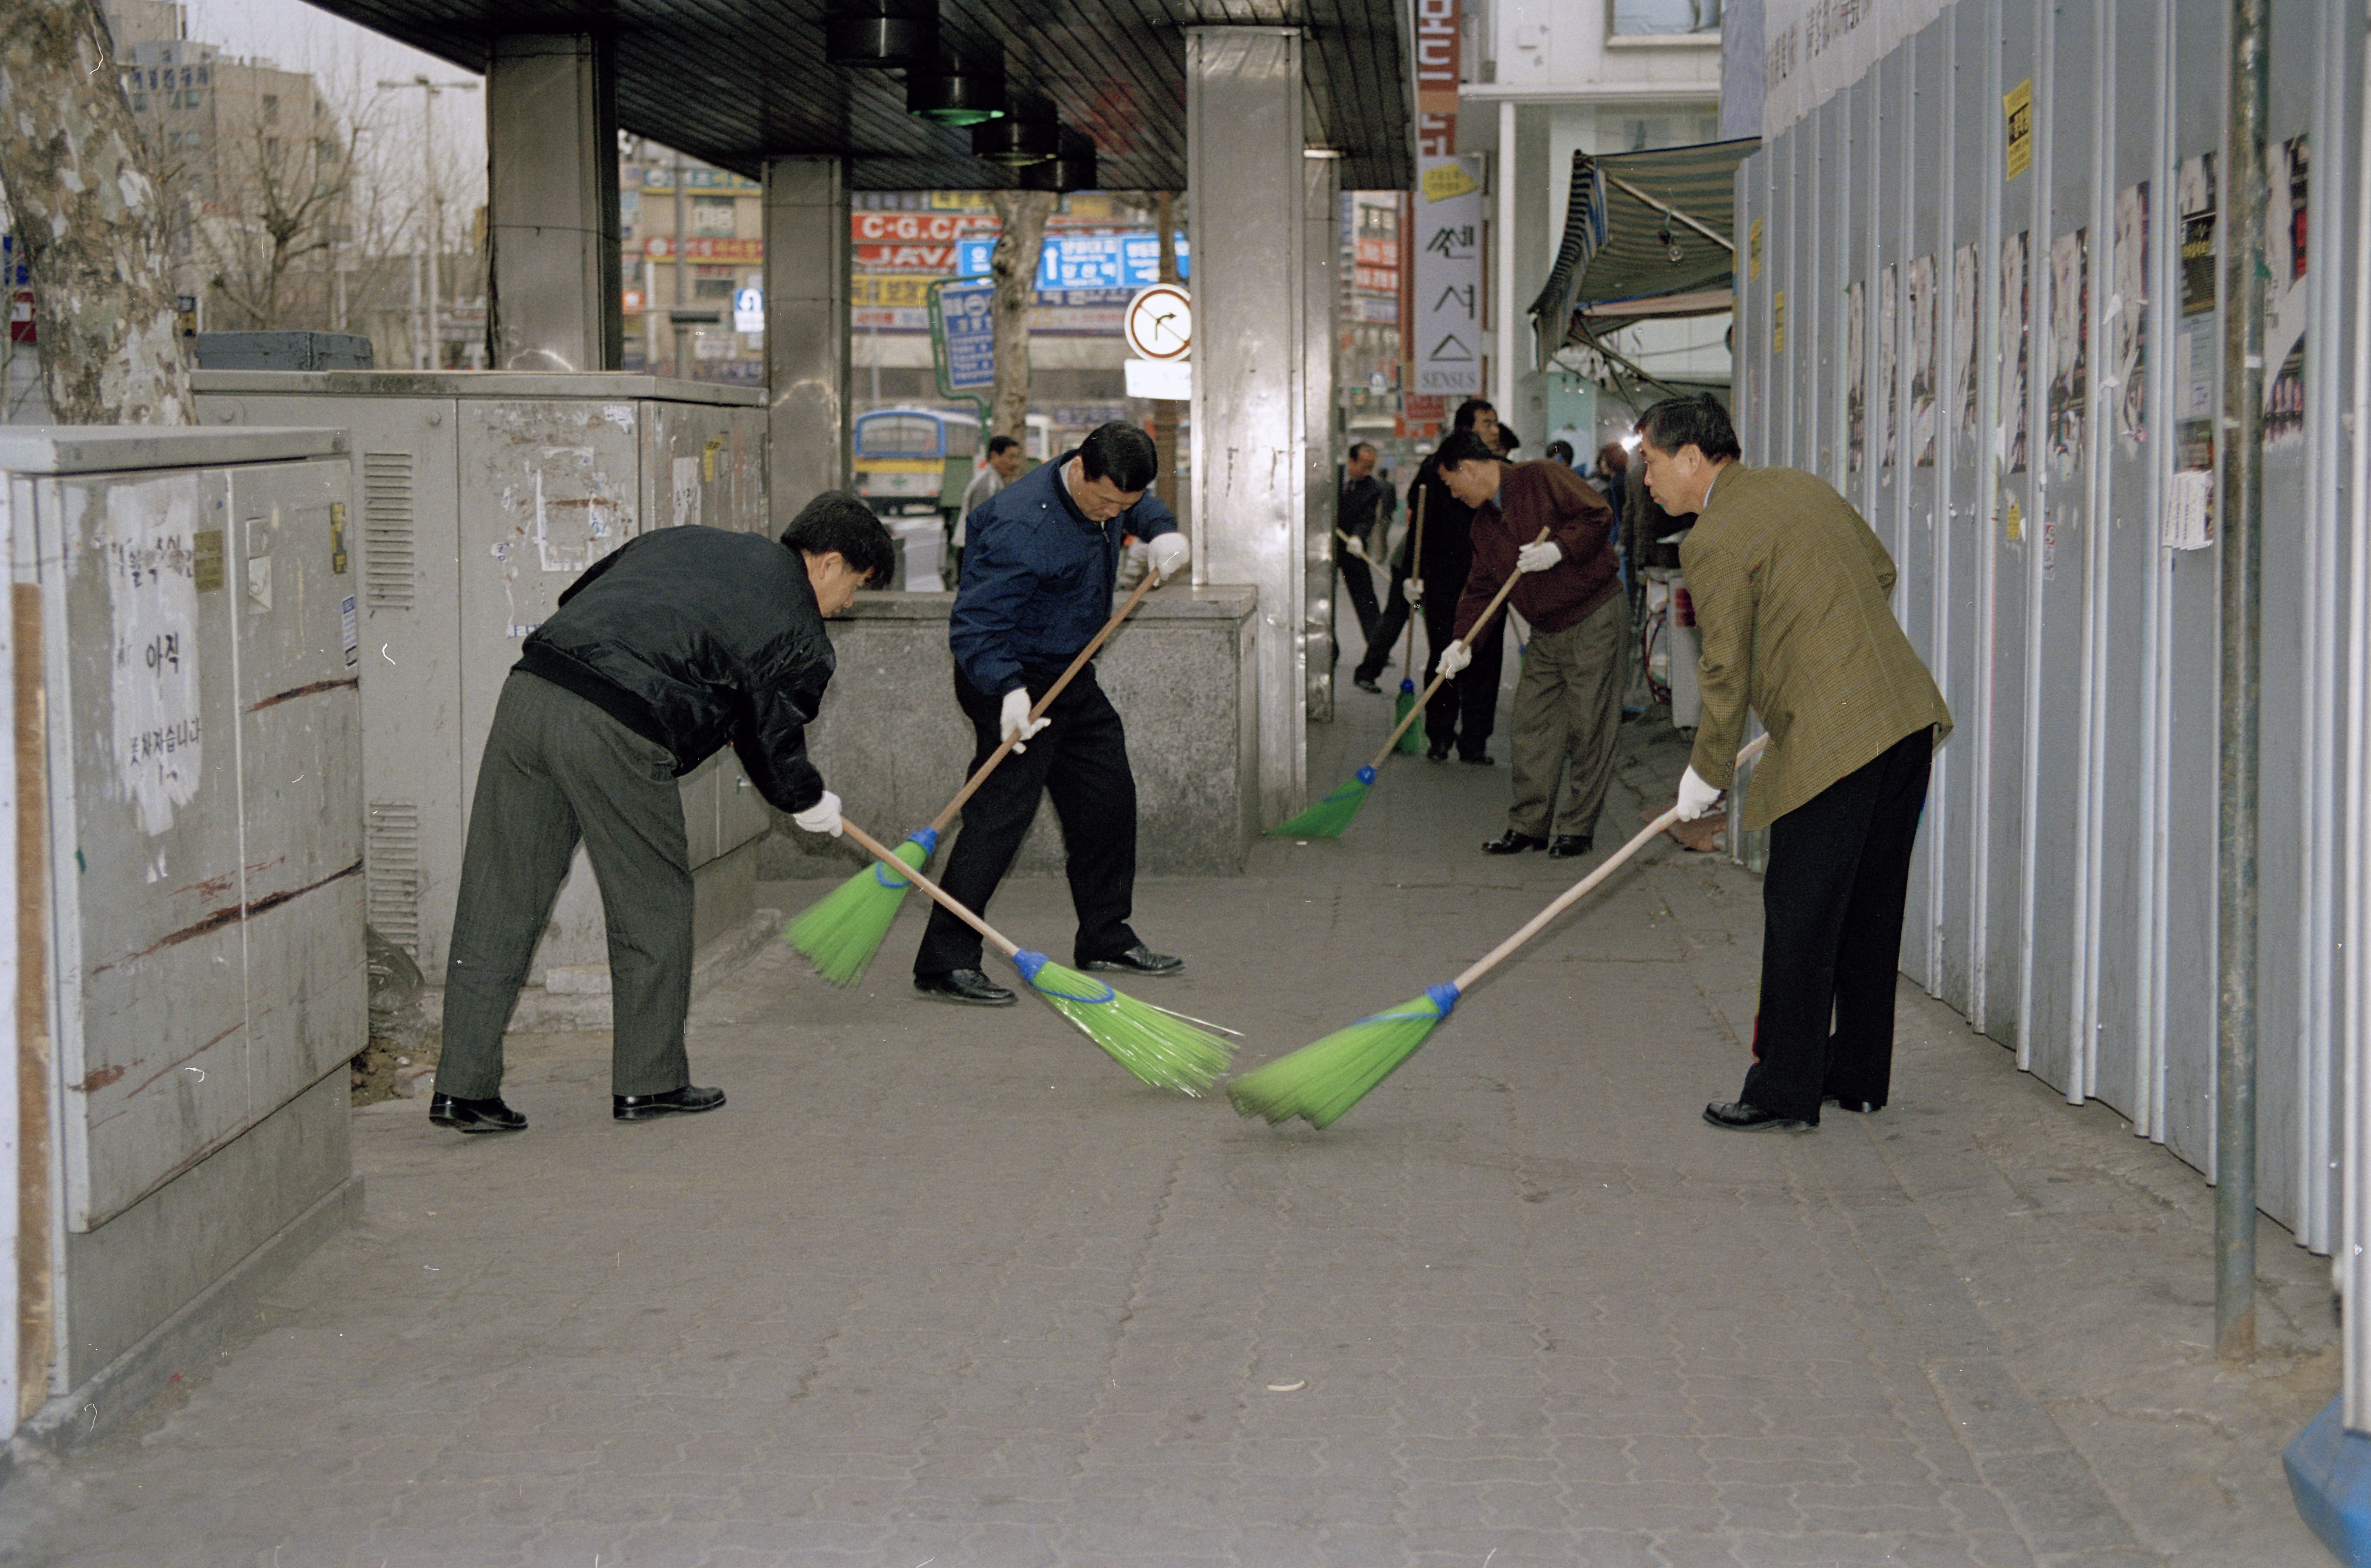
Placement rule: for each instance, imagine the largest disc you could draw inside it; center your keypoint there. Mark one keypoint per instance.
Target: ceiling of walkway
(734, 81)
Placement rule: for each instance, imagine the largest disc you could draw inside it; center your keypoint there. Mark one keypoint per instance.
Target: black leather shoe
(1567, 845)
(1736, 1116)
(969, 986)
(1366, 683)
(681, 1101)
(1137, 960)
(1858, 1107)
(1477, 759)
(1512, 843)
(1436, 754)
(475, 1115)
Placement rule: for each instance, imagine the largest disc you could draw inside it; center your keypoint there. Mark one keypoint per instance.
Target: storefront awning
(1645, 235)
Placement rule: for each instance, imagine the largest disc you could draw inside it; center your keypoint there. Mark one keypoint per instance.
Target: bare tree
(1021, 217)
(90, 215)
(279, 202)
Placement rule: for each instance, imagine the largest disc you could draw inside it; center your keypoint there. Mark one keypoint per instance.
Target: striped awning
(1628, 216)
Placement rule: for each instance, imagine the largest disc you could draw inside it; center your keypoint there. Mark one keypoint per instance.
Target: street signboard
(1447, 342)
(1084, 261)
(749, 310)
(971, 334)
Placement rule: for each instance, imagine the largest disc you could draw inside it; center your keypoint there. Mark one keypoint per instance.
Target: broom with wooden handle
(1329, 816)
(845, 927)
(1321, 1081)
(1158, 1047)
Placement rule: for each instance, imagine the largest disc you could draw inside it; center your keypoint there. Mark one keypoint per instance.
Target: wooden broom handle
(1416, 570)
(1004, 944)
(1479, 622)
(1582, 888)
(946, 818)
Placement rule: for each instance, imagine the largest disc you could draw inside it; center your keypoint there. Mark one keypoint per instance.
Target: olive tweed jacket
(1790, 589)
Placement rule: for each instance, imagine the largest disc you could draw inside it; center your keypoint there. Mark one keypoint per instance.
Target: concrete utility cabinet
(185, 610)
(481, 497)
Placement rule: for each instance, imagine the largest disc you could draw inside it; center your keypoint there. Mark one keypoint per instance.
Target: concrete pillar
(551, 203)
(1321, 295)
(1508, 342)
(1246, 170)
(806, 331)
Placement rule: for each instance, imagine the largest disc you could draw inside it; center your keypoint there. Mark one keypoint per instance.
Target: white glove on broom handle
(1587, 884)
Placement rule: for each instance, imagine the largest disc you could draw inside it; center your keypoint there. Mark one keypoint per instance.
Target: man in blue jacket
(1039, 562)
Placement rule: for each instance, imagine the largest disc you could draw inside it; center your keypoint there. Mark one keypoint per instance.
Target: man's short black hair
(1120, 453)
(1459, 448)
(1508, 441)
(1356, 447)
(1561, 452)
(838, 520)
(1468, 410)
(1000, 444)
(1697, 420)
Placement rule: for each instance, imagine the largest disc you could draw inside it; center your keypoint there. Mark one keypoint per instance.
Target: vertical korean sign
(1447, 343)
(1438, 68)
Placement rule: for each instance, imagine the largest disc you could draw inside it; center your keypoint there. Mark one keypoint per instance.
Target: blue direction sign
(971, 334)
(1085, 260)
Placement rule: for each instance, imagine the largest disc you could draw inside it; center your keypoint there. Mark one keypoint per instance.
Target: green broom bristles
(1161, 1050)
(1412, 738)
(846, 927)
(1329, 816)
(1321, 1081)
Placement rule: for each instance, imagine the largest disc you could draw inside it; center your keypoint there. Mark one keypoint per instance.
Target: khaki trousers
(1568, 713)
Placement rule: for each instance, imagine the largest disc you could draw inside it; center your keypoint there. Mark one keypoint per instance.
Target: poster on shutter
(2284, 295)
(2070, 334)
(1889, 360)
(2127, 320)
(683, 492)
(2015, 291)
(1856, 377)
(1967, 282)
(152, 592)
(1921, 363)
(2194, 198)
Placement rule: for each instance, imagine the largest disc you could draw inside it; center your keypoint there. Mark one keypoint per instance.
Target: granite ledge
(1160, 604)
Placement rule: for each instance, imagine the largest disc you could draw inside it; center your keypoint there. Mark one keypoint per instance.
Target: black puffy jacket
(694, 637)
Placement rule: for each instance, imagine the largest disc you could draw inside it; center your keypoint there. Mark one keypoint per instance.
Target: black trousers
(1385, 634)
(1831, 906)
(1361, 585)
(1464, 711)
(1080, 760)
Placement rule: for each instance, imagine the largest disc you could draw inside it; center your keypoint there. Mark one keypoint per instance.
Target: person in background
(1791, 588)
(1004, 459)
(1358, 520)
(1613, 473)
(1506, 442)
(1568, 698)
(1464, 711)
(1044, 555)
(668, 647)
(1560, 452)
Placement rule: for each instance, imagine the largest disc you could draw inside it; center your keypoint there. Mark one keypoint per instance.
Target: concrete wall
(893, 744)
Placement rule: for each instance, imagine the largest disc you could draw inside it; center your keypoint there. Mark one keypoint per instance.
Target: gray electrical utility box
(203, 787)
(480, 497)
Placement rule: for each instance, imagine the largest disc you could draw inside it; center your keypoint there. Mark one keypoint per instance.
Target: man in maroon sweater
(1569, 702)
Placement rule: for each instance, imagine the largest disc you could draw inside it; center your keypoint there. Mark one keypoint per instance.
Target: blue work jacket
(1037, 577)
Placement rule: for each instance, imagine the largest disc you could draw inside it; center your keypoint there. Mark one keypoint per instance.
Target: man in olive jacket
(677, 644)
(1790, 588)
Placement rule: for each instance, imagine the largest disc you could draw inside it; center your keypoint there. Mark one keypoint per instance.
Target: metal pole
(2241, 507)
(435, 235)
(682, 300)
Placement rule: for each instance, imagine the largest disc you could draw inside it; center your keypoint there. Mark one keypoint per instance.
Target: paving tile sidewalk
(946, 1288)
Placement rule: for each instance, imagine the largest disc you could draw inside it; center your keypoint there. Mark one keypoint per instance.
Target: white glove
(1168, 553)
(821, 817)
(1014, 721)
(1413, 590)
(1538, 557)
(1351, 544)
(1696, 797)
(1454, 657)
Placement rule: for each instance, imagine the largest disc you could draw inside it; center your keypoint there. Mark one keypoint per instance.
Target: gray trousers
(557, 769)
(1567, 717)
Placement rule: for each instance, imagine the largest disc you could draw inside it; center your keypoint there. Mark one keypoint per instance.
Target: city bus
(913, 461)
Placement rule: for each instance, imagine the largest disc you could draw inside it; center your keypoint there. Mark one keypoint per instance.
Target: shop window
(1665, 18)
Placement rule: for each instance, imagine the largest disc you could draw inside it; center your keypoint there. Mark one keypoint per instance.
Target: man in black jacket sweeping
(662, 652)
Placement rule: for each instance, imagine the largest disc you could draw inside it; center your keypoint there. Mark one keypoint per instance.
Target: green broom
(1329, 816)
(845, 927)
(1160, 1048)
(1321, 1081)
(1411, 738)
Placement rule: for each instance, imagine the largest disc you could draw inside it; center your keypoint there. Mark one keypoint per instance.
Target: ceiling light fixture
(1073, 168)
(954, 94)
(1015, 140)
(880, 34)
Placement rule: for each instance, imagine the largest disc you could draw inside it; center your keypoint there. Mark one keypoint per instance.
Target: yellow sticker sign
(1754, 252)
(1778, 322)
(2019, 104)
(1445, 180)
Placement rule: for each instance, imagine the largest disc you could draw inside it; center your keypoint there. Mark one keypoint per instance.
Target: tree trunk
(1021, 216)
(91, 217)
